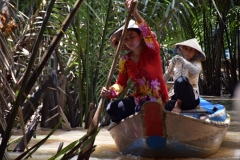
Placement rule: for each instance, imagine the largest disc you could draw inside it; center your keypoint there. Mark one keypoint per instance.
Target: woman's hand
(178, 58)
(135, 13)
(128, 5)
(105, 91)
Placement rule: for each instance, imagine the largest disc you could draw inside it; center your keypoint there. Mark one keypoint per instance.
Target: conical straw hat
(193, 44)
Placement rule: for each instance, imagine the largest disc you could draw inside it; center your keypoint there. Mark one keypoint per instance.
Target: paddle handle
(169, 71)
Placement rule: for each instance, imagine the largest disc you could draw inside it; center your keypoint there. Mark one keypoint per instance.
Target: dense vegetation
(55, 54)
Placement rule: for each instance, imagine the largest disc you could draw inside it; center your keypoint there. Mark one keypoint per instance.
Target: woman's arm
(122, 79)
(195, 67)
(136, 15)
(148, 35)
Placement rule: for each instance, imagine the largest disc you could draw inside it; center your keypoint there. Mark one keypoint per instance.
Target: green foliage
(85, 54)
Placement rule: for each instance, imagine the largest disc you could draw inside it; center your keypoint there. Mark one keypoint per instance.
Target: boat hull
(156, 133)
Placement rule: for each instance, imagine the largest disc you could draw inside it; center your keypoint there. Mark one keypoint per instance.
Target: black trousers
(120, 109)
(183, 90)
(123, 108)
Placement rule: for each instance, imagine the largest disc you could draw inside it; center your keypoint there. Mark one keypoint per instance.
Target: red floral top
(146, 74)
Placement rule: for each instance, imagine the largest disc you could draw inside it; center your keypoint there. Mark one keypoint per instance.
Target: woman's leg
(121, 109)
(178, 106)
(184, 94)
(170, 105)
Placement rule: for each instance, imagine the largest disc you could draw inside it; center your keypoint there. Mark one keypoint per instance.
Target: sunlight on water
(107, 150)
(237, 153)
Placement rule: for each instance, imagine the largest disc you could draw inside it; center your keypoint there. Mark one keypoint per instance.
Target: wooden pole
(95, 121)
(170, 69)
(93, 128)
(96, 118)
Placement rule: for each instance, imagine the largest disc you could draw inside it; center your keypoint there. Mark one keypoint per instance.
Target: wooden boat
(169, 84)
(156, 133)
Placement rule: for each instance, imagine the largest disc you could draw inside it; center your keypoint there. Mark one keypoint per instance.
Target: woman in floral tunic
(142, 65)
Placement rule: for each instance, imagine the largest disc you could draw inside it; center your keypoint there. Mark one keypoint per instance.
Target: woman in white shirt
(185, 92)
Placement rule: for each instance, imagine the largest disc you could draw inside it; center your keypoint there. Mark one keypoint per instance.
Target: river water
(107, 150)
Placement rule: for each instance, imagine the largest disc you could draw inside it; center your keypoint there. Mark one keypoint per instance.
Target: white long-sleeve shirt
(191, 70)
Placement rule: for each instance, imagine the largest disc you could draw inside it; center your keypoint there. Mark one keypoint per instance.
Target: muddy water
(107, 150)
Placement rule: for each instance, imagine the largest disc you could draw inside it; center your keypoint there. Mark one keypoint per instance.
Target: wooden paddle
(170, 69)
(96, 118)
(95, 121)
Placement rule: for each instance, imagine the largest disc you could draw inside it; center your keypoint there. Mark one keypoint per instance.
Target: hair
(135, 30)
